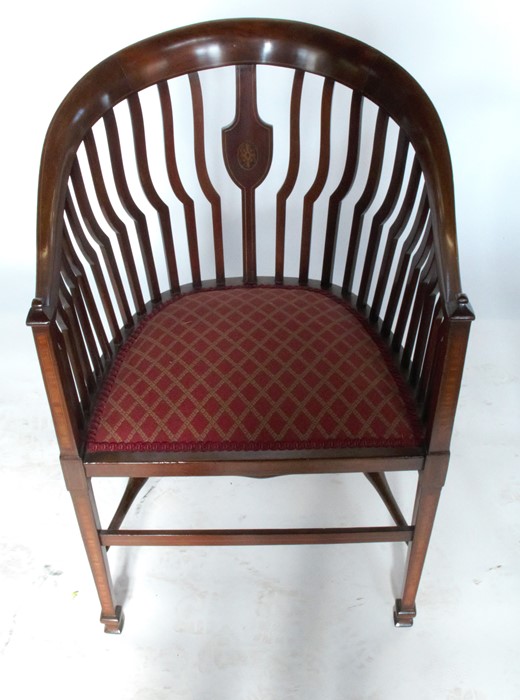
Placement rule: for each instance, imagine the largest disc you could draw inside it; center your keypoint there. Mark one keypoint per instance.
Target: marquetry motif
(247, 155)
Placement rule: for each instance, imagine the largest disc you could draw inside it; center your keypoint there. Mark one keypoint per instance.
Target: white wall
(465, 54)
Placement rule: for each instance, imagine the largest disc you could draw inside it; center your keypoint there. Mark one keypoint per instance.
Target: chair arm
(442, 398)
(66, 409)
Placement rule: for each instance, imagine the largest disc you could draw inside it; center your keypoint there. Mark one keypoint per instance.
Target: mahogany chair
(247, 265)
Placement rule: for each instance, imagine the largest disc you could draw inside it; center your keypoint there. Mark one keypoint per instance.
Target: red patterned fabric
(260, 368)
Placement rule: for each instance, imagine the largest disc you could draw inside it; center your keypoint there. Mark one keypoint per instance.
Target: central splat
(248, 152)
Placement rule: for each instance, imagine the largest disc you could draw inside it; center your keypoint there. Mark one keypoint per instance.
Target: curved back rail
(245, 152)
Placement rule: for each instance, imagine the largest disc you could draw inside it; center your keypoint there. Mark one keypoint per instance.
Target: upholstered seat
(254, 369)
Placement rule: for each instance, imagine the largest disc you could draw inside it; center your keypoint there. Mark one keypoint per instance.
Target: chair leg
(431, 481)
(381, 485)
(133, 487)
(88, 519)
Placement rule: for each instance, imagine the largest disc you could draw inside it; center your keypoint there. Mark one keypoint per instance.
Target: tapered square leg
(431, 481)
(82, 495)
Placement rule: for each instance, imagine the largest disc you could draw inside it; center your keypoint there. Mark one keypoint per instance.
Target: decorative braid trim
(242, 446)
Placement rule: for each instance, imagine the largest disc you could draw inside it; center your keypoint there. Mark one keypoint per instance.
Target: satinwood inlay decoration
(247, 155)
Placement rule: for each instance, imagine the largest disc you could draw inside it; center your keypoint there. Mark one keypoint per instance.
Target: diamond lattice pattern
(253, 369)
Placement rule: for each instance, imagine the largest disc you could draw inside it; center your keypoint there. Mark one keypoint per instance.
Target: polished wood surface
(118, 234)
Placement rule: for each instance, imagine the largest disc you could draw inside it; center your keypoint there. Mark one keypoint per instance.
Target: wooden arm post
(442, 406)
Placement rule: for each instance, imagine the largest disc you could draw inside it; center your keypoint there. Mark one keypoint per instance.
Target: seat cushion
(253, 368)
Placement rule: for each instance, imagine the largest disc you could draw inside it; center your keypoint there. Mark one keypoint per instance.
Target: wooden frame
(406, 283)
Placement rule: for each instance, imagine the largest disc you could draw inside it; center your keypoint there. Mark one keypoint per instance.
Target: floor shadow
(398, 570)
(124, 568)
